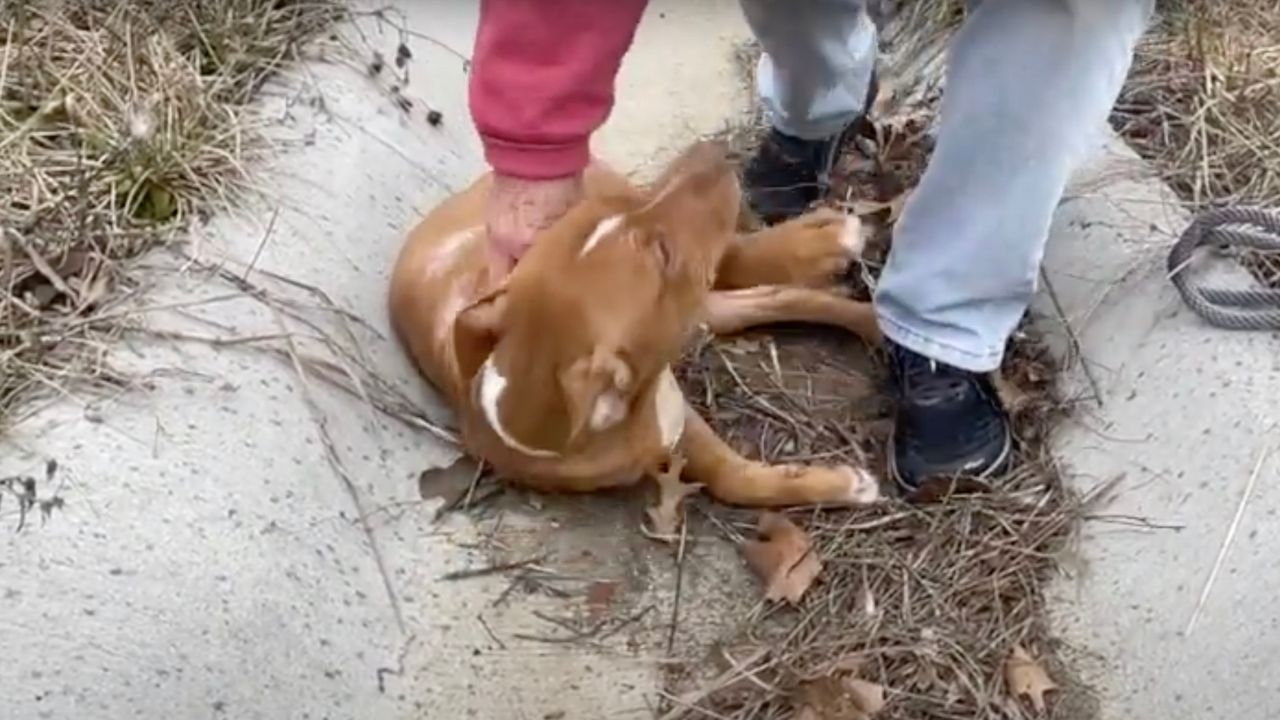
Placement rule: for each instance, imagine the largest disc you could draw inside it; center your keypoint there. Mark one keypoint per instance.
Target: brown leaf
(806, 713)
(868, 696)
(600, 596)
(666, 515)
(449, 483)
(1011, 396)
(833, 697)
(740, 346)
(862, 208)
(784, 559)
(1026, 677)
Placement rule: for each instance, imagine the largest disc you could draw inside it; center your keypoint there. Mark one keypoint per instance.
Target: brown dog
(561, 376)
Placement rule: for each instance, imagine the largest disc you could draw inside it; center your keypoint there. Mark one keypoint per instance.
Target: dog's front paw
(822, 246)
(863, 487)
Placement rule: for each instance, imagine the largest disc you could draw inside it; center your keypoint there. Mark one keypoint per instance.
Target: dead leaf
(740, 346)
(862, 208)
(600, 596)
(866, 695)
(449, 483)
(835, 697)
(806, 713)
(1026, 677)
(784, 559)
(886, 99)
(1010, 395)
(666, 515)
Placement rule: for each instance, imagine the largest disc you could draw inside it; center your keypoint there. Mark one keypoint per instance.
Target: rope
(1232, 309)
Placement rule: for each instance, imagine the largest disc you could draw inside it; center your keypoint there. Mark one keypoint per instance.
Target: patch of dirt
(582, 577)
(928, 599)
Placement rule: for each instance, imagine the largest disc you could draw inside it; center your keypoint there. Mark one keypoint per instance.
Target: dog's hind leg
(731, 311)
(731, 478)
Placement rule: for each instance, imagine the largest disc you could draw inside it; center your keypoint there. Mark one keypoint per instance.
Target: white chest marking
(492, 384)
(606, 226)
(669, 405)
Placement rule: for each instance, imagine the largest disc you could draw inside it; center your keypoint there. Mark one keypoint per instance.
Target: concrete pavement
(208, 562)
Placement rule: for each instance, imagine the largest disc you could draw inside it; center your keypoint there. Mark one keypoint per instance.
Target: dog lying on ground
(561, 375)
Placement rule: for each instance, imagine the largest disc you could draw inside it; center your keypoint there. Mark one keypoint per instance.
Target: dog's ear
(596, 390)
(695, 198)
(477, 329)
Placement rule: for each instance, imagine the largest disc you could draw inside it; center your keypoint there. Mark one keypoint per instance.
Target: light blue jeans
(1029, 86)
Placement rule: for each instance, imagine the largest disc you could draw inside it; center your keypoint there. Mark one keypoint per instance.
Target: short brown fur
(573, 348)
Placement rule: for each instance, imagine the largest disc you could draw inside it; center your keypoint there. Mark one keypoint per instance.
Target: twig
(492, 569)
(471, 489)
(592, 632)
(687, 701)
(511, 586)
(489, 631)
(675, 603)
(1073, 338)
(262, 244)
(331, 454)
(1226, 541)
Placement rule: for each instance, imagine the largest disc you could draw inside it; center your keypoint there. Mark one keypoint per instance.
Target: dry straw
(926, 599)
(1203, 103)
(119, 122)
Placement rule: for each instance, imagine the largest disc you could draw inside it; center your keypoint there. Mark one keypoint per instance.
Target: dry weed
(120, 123)
(1203, 103)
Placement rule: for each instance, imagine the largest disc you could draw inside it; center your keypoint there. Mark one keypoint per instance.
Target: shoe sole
(999, 466)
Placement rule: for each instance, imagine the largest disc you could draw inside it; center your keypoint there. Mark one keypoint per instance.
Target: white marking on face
(606, 226)
(492, 385)
(668, 404)
(851, 236)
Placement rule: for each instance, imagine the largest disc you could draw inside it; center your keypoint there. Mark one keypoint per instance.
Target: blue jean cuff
(916, 342)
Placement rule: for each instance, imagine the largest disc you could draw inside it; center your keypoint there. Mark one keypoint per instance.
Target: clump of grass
(1203, 103)
(118, 123)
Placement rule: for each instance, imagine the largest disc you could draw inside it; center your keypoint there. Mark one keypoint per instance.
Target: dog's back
(562, 373)
(440, 271)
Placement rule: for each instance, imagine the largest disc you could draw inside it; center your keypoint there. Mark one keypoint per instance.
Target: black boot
(787, 174)
(950, 424)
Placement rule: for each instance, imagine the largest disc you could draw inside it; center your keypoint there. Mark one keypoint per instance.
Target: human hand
(518, 209)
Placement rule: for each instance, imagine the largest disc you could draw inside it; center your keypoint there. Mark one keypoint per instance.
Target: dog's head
(599, 306)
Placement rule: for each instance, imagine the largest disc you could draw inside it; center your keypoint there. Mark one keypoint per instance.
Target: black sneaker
(787, 175)
(950, 426)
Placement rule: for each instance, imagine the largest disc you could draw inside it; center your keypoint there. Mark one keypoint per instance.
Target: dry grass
(1203, 103)
(120, 123)
(927, 599)
(930, 598)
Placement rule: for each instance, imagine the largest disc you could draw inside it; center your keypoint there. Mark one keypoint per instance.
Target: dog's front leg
(813, 250)
(731, 311)
(731, 478)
